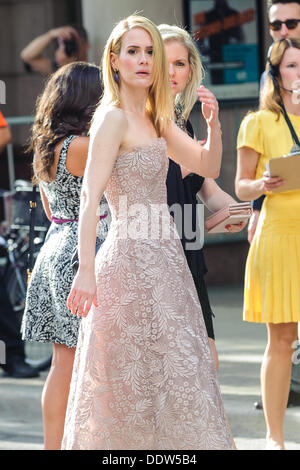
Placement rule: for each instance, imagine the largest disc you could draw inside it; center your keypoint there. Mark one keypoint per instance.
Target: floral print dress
(46, 316)
(144, 376)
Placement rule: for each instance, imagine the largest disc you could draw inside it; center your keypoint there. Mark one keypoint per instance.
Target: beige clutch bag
(232, 214)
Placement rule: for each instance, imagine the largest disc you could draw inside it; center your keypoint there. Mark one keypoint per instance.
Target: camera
(71, 47)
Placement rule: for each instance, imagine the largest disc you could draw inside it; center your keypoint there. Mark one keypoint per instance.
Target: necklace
(179, 121)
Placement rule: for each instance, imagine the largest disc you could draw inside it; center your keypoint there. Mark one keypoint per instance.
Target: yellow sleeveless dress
(272, 278)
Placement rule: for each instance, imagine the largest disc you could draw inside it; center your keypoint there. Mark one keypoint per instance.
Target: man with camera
(71, 46)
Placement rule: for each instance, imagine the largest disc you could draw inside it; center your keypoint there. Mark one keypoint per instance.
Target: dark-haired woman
(63, 114)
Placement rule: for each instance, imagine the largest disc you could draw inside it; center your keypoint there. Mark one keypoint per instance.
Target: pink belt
(62, 221)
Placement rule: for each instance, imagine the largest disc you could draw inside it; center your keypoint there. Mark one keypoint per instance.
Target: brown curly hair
(64, 108)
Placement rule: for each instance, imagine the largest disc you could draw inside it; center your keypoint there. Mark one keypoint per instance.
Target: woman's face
(179, 66)
(135, 62)
(290, 69)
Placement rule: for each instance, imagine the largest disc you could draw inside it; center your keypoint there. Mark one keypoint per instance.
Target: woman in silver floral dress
(60, 150)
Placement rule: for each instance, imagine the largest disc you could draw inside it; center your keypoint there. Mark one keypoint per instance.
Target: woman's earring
(116, 76)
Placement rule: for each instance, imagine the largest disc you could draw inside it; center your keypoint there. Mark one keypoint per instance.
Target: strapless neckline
(137, 148)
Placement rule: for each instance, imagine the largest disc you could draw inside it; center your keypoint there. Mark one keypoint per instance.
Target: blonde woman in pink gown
(144, 376)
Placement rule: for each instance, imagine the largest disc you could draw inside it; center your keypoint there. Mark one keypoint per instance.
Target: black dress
(183, 191)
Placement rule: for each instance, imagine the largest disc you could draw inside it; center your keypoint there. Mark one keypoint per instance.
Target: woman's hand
(210, 105)
(65, 33)
(83, 294)
(269, 184)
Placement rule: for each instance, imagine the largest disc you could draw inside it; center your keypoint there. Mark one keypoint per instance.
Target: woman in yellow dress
(272, 280)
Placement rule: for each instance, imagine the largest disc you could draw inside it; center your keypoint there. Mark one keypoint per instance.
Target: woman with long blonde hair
(143, 376)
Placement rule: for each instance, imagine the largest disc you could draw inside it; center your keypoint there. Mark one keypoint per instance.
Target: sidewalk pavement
(240, 346)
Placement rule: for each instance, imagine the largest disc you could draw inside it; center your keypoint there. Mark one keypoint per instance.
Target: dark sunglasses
(290, 24)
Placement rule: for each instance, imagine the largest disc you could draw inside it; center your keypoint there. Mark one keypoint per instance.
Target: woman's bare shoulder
(79, 144)
(77, 155)
(109, 116)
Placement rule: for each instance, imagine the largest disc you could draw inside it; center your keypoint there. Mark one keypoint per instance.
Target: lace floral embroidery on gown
(143, 375)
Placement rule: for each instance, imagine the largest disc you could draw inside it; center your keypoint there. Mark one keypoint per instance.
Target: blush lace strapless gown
(143, 375)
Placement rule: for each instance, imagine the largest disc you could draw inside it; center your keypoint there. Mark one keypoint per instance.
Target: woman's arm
(247, 187)
(106, 137)
(215, 199)
(213, 196)
(32, 53)
(204, 160)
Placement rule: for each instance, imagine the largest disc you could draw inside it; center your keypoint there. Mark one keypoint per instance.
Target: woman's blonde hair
(159, 103)
(187, 98)
(270, 97)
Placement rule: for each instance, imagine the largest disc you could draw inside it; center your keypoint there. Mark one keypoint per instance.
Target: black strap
(32, 208)
(292, 130)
